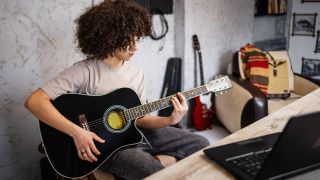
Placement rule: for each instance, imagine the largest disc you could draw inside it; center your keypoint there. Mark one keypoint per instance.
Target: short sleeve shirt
(95, 77)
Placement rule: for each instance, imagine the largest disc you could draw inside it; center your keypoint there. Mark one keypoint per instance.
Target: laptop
(275, 156)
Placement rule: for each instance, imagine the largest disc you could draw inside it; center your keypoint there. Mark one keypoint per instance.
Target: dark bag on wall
(172, 82)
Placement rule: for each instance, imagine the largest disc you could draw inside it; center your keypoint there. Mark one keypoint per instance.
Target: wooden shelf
(283, 14)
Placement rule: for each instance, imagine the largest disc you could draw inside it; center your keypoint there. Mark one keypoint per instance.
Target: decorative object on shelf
(310, 67)
(270, 7)
(317, 49)
(304, 24)
(303, 1)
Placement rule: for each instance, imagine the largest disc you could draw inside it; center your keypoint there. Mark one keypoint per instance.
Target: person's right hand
(84, 141)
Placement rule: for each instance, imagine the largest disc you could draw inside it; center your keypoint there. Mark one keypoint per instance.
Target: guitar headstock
(195, 42)
(220, 84)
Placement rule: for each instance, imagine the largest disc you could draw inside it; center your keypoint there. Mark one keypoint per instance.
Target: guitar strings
(98, 123)
(96, 127)
(94, 121)
(95, 124)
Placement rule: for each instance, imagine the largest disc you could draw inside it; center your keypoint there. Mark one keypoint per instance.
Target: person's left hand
(180, 106)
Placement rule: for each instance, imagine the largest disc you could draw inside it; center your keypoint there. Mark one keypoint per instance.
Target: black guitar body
(60, 148)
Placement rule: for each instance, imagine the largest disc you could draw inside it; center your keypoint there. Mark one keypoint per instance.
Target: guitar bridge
(83, 122)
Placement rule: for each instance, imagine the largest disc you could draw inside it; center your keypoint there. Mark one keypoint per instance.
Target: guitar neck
(195, 68)
(201, 68)
(140, 111)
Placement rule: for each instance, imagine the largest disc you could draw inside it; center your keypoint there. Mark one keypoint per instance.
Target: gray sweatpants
(138, 162)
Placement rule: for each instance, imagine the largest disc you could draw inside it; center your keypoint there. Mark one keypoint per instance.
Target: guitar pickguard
(206, 99)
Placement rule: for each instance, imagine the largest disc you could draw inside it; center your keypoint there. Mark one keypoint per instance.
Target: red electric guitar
(202, 114)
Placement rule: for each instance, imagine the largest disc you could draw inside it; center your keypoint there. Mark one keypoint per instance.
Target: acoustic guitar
(112, 117)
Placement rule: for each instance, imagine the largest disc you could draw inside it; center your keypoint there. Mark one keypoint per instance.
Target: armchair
(245, 103)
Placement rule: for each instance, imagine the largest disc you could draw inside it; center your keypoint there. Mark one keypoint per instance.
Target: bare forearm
(153, 122)
(39, 104)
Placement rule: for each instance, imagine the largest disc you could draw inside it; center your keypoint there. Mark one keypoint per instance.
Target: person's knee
(203, 142)
(195, 143)
(130, 155)
(134, 163)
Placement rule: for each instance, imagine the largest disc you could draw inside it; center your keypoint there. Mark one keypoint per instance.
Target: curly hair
(111, 25)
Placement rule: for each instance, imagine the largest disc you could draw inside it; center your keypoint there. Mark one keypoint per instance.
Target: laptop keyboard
(251, 162)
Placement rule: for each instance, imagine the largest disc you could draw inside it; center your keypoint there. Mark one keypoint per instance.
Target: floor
(214, 134)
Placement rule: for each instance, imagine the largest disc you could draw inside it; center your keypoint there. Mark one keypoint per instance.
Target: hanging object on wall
(317, 49)
(165, 6)
(304, 24)
(160, 30)
(309, 1)
(158, 9)
(311, 67)
(270, 7)
(163, 24)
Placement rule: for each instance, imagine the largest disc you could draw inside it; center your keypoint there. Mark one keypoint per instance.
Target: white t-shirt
(94, 77)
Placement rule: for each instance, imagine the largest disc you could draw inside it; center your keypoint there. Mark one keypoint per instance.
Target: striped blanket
(256, 66)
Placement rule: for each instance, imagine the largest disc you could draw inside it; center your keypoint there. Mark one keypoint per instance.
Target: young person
(107, 33)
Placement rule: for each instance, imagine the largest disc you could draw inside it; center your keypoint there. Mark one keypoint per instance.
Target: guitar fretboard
(139, 111)
(201, 68)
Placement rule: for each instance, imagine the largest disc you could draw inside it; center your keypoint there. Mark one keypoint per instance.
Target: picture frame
(270, 7)
(310, 67)
(317, 48)
(304, 24)
(309, 1)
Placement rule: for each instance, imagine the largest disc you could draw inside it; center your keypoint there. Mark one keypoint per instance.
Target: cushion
(255, 66)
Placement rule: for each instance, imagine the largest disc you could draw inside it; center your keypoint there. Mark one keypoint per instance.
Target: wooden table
(199, 166)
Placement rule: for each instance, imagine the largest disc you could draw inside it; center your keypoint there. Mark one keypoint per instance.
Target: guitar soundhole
(116, 120)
